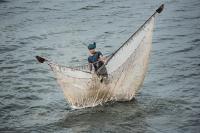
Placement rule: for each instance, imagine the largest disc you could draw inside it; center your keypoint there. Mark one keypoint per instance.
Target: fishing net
(125, 69)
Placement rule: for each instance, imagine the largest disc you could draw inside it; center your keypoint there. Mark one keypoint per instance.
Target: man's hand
(103, 59)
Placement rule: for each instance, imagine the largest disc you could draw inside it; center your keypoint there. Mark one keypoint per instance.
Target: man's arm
(90, 64)
(90, 67)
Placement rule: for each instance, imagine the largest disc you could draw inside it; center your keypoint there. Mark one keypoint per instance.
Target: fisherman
(96, 61)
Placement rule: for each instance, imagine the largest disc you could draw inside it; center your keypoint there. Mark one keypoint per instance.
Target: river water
(30, 98)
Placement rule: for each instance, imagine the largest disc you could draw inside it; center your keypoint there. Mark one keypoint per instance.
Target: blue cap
(92, 46)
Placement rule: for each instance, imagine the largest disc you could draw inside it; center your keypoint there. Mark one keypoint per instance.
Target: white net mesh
(126, 70)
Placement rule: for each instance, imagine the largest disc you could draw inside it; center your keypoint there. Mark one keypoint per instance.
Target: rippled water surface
(31, 100)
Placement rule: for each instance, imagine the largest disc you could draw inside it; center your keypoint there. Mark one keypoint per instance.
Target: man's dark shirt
(94, 58)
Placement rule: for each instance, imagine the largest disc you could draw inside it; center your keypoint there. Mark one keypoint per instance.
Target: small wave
(13, 107)
(8, 96)
(9, 67)
(184, 76)
(50, 9)
(166, 39)
(109, 22)
(75, 60)
(180, 10)
(18, 7)
(8, 48)
(31, 97)
(30, 70)
(28, 61)
(89, 7)
(40, 107)
(57, 33)
(107, 32)
(196, 40)
(103, 1)
(10, 77)
(22, 89)
(124, 7)
(22, 42)
(181, 35)
(191, 18)
(183, 50)
(34, 38)
(3, 1)
(41, 80)
(107, 46)
(33, 2)
(43, 48)
(194, 57)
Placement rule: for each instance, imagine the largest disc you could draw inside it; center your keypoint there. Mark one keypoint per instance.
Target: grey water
(32, 101)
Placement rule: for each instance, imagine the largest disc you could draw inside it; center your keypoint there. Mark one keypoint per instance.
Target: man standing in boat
(96, 61)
